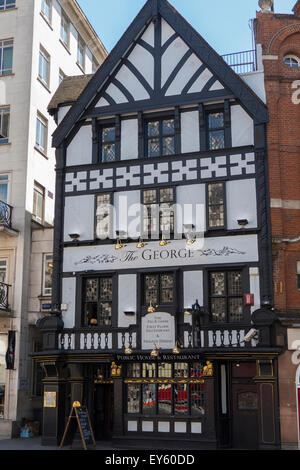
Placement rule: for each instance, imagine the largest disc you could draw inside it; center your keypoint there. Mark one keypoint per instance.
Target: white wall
(242, 127)
(79, 217)
(190, 132)
(127, 297)
(191, 200)
(68, 298)
(79, 151)
(241, 203)
(129, 139)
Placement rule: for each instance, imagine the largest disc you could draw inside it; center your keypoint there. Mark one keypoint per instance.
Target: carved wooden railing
(231, 336)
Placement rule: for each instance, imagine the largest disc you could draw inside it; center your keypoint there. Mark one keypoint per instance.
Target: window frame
(44, 65)
(291, 57)
(4, 140)
(159, 232)
(98, 277)
(41, 123)
(61, 76)
(6, 44)
(64, 28)
(160, 137)
(43, 10)
(46, 291)
(227, 296)
(38, 189)
(6, 7)
(111, 221)
(217, 227)
(81, 42)
(95, 64)
(208, 111)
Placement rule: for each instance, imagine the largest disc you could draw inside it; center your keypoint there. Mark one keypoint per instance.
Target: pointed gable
(160, 61)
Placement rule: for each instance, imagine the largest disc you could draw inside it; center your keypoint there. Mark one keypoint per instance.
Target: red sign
(248, 299)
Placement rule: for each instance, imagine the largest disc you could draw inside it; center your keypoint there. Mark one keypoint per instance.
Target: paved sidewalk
(34, 443)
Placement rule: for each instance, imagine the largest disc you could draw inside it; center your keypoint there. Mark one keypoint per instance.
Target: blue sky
(222, 23)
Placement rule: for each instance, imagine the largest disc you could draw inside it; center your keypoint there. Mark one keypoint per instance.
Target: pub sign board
(79, 418)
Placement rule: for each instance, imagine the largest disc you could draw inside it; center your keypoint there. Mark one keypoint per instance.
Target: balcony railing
(117, 339)
(5, 214)
(242, 62)
(4, 293)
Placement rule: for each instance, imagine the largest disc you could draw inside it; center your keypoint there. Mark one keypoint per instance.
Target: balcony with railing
(4, 297)
(6, 219)
(242, 62)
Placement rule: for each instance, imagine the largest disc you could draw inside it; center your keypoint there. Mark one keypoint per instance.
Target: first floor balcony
(4, 297)
(6, 219)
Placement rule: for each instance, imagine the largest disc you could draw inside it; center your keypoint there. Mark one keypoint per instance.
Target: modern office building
(41, 42)
(162, 321)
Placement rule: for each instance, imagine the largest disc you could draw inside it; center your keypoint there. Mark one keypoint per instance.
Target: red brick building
(279, 36)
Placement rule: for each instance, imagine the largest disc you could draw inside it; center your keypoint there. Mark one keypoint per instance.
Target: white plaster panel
(190, 135)
(196, 428)
(212, 250)
(241, 203)
(191, 207)
(179, 426)
(163, 426)
(166, 31)
(254, 287)
(132, 425)
(127, 212)
(147, 426)
(133, 85)
(79, 217)
(255, 80)
(144, 62)
(116, 94)
(129, 139)
(171, 57)
(102, 102)
(79, 152)
(62, 111)
(148, 35)
(183, 76)
(192, 288)
(216, 86)
(68, 298)
(127, 289)
(201, 81)
(242, 127)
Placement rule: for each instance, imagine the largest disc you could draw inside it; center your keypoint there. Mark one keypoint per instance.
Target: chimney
(296, 8)
(267, 6)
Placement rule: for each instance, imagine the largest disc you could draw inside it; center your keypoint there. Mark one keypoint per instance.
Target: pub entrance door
(244, 416)
(103, 401)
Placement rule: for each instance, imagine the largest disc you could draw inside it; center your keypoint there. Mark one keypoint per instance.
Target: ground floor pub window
(3, 349)
(165, 389)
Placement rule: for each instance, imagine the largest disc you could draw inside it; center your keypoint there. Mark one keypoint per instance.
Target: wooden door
(103, 412)
(245, 416)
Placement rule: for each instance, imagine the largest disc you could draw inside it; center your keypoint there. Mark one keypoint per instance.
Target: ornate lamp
(141, 243)
(163, 241)
(151, 308)
(119, 245)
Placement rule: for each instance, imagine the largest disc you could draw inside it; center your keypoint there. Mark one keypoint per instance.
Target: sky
(224, 24)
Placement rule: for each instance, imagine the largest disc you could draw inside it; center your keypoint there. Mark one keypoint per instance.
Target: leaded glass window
(197, 399)
(181, 404)
(159, 289)
(103, 216)
(108, 144)
(160, 137)
(158, 212)
(216, 205)
(133, 398)
(149, 399)
(216, 130)
(226, 296)
(98, 297)
(164, 399)
(148, 370)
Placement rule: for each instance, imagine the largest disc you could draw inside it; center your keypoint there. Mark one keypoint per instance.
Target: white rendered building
(41, 42)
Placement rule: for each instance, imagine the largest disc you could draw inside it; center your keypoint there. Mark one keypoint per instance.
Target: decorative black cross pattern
(185, 170)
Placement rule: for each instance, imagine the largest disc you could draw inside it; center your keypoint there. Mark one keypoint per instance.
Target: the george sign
(49, 399)
(158, 329)
(204, 251)
(79, 417)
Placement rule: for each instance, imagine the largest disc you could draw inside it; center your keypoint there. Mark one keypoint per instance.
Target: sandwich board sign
(79, 418)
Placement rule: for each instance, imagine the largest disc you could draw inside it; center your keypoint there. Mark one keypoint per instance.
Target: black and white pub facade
(161, 318)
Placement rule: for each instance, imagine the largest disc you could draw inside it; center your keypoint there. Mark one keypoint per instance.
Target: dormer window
(292, 61)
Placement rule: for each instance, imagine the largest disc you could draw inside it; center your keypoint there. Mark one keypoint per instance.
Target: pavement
(34, 443)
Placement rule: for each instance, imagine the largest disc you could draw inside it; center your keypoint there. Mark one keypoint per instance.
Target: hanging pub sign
(79, 418)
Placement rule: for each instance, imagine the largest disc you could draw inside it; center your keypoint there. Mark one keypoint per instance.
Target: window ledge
(46, 20)
(65, 46)
(41, 152)
(7, 75)
(8, 9)
(4, 143)
(80, 67)
(44, 84)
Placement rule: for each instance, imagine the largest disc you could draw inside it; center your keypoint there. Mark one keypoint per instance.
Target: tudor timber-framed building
(163, 120)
